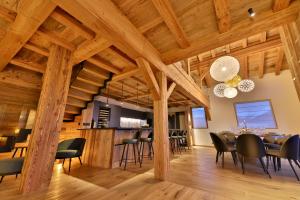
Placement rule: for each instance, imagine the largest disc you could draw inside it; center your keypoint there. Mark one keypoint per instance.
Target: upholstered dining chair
(289, 150)
(71, 148)
(251, 146)
(222, 148)
(10, 166)
(229, 137)
(7, 143)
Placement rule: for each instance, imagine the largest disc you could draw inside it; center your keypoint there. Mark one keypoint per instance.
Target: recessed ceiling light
(251, 12)
(294, 78)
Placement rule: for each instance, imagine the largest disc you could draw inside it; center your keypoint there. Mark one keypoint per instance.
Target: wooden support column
(188, 124)
(161, 140)
(289, 34)
(38, 164)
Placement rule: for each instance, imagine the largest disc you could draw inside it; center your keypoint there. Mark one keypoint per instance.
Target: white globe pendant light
(230, 92)
(219, 89)
(224, 68)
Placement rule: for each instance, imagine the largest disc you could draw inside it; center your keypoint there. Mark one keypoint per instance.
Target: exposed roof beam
(106, 19)
(147, 26)
(7, 15)
(280, 4)
(67, 20)
(254, 49)
(124, 75)
(263, 22)
(223, 15)
(279, 61)
(149, 77)
(36, 49)
(104, 65)
(244, 66)
(34, 13)
(261, 65)
(166, 11)
(90, 48)
(171, 89)
(28, 65)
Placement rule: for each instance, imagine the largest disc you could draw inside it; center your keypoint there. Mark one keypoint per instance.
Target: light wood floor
(194, 175)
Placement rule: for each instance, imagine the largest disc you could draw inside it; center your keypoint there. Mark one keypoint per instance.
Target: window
(257, 114)
(199, 118)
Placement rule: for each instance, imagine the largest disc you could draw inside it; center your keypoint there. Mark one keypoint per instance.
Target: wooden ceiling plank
(85, 87)
(28, 65)
(90, 78)
(104, 65)
(166, 11)
(223, 15)
(263, 22)
(79, 94)
(279, 61)
(280, 4)
(149, 77)
(140, 96)
(97, 71)
(75, 102)
(121, 57)
(67, 20)
(108, 20)
(31, 14)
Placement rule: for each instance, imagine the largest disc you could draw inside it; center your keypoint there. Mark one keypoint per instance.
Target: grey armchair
(71, 148)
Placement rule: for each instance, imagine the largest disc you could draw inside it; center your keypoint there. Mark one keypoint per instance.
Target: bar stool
(149, 141)
(134, 142)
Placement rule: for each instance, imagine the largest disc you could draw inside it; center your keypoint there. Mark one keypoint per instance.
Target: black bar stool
(134, 142)
(149, 141)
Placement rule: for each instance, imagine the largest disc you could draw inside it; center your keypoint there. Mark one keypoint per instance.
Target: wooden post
(38, 164)
(188, 124)
(289, 34)
(161, 140)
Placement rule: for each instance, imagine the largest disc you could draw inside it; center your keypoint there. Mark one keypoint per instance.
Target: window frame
(193, 117)
(271, 105)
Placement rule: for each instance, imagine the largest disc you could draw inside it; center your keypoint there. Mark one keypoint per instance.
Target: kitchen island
(104, 147)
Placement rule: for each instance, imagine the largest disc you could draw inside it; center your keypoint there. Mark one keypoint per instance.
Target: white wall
(279, 89)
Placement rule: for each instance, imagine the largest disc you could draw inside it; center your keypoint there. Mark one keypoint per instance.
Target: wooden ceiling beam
(72, 110)
(166, 11)
(280, 4)
(104, 65)
(279, 61)
(117, 54)
(89, 48)
(246, 28)
(106, 19)
(36, 49)
(271, 43)
(149, 77)
(124, 75)
(67, 20)
(244, 66)
(147, 26)
(171, 89)
(52, 37)
(223, 15)
(32, 13)
(261, 65)
(7, 15)
(28, 65)
(140, 96)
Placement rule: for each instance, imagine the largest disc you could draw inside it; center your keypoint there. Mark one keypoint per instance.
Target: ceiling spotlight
(294, 78)
(251, 12)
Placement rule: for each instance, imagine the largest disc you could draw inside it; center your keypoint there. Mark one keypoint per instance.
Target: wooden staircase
(86, 82)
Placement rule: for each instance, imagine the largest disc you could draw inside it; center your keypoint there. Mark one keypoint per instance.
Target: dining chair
(289, 150)
(10, 166)
(7, 143)
(229, 136)
(222, 148)
(71, 148)
(251, 146)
